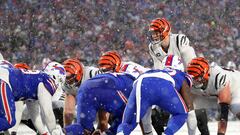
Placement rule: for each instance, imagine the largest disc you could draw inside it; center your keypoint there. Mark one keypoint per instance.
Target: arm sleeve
(222, 124)
(34, 112)
(45, 102)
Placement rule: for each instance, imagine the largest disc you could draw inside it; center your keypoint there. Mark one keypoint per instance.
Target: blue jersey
(24, 83)
(178, 76)
(120, 86)
(105, 91)
(156, 87)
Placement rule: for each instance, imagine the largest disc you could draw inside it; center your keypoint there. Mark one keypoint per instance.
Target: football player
(111, 62)
(108, 92)
(214, 81)
(34, 87)
(162, 43)
(76, 74)
(146, 93)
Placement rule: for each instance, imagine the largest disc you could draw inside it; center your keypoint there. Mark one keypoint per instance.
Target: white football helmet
(5, 63)
(57, 72)
(174, 62)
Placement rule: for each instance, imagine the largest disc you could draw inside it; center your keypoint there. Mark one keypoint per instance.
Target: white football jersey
(218, 79)
(133, 68)
(179, 45)
(88, 72)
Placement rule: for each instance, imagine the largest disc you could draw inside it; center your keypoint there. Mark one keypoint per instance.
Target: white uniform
(179, 45)
(133, 69)
(88, 72)
(219, 78)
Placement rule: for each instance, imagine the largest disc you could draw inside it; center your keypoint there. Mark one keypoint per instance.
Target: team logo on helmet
(57, 72)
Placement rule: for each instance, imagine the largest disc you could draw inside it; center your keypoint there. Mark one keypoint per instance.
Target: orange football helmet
(161, 26)
(74, 70)
(198, 68)
(22, 66)
(110, 61)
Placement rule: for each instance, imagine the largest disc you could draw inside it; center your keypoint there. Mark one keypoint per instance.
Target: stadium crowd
(31, 30)
(35, 31)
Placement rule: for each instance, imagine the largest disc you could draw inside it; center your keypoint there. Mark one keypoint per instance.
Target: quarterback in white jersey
(219, 82)
(76, 74)
(163, 43)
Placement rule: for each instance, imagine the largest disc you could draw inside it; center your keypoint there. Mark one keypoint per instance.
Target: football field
(233, 129)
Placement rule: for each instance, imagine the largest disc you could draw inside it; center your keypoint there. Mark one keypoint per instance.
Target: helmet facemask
(199, 82)
(198, 68)
(71, 80)
(156, 38)
(74, 69)
(159, 30)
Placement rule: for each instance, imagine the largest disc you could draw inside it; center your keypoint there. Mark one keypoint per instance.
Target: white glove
(120, 133)
(192, 122)
(57, 131)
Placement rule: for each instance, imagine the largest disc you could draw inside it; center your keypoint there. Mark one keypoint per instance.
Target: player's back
(178, 76)
(220, 77)
(109, 91)
(24, 83)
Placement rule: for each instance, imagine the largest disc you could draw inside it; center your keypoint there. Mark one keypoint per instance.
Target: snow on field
(233, 129)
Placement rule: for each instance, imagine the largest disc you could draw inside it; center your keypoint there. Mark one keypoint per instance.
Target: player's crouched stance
(158, 87)
(34, 87)
(220, 82)
(108, 92)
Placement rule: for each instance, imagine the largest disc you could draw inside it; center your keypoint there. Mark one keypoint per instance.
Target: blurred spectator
(32, 30)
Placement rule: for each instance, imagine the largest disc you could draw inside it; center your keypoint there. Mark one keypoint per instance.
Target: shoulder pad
(90, 72)
(182, 41)
(50, 85)
(220, 79)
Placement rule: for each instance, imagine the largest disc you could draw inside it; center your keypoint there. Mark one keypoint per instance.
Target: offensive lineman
(111, 62)
(76, 74)
(218, 82)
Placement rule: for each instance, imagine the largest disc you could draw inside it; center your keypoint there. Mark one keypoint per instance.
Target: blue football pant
(155, 91)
